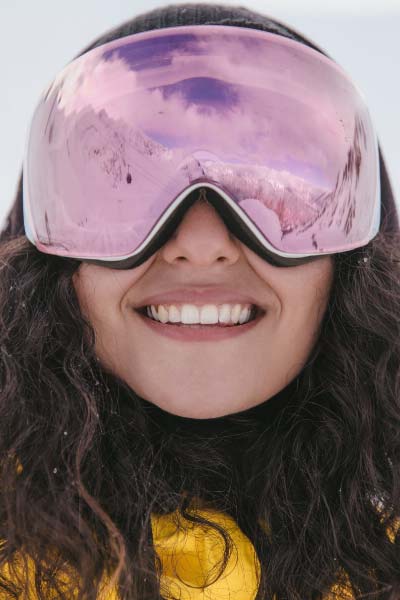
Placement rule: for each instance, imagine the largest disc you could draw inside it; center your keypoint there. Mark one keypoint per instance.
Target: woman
(253, 455)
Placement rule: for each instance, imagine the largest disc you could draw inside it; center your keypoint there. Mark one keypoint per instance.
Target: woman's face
(229, 369)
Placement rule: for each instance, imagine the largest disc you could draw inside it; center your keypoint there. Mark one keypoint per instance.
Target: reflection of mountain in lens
(293, 200)
(265, 219)
(127, 167)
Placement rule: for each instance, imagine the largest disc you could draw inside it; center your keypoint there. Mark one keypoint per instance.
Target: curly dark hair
(85, 462)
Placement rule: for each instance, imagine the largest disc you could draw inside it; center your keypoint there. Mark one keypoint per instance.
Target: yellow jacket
(187, 553)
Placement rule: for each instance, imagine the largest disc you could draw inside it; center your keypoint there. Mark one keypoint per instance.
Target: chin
(193, 412)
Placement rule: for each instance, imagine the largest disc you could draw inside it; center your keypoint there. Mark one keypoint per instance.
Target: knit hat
(209, 14)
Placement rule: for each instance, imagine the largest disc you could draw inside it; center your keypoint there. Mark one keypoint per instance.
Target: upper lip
(199, 296)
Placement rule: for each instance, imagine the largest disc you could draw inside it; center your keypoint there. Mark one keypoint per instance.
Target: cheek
(111, 339)
(99, 296)
(304, 298)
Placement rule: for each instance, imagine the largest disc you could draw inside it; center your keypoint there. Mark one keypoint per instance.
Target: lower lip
(199, 333)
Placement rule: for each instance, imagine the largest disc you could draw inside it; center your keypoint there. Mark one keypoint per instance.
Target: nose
(201, 238)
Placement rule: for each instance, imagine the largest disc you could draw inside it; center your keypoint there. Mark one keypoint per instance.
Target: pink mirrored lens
(127, 127)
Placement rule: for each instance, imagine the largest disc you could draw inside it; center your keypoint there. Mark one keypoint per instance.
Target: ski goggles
(129, 134)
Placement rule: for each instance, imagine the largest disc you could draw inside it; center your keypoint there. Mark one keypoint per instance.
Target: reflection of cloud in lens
(194, 93)
(209, 92)
(296, 87)
(91, 81)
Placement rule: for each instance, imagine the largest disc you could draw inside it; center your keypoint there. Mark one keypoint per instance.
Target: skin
(206, 379)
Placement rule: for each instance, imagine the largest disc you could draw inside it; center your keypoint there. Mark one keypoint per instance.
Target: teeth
(235, 314)
(244, 315)
(190, 314)
(209, 314)
(225, 313)
(162, 314)
(174, 314)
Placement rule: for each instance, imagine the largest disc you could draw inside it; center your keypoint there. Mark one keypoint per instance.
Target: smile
(185, 323)
(209, 314)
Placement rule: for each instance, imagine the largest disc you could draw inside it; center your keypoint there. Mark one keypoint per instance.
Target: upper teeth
(206, 315)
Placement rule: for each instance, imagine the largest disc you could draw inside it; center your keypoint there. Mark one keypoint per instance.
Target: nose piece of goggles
(125, 138)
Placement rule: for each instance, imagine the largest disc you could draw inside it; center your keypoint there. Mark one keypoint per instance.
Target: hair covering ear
(390, 212)
(174, 15)
(13, 224)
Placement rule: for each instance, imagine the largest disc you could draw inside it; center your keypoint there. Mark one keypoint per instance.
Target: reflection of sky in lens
(147, 54)
(193, 93)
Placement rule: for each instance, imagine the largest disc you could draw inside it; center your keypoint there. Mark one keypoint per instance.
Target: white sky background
(38, 38)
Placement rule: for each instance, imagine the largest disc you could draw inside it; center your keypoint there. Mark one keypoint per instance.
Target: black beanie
(174, 15)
